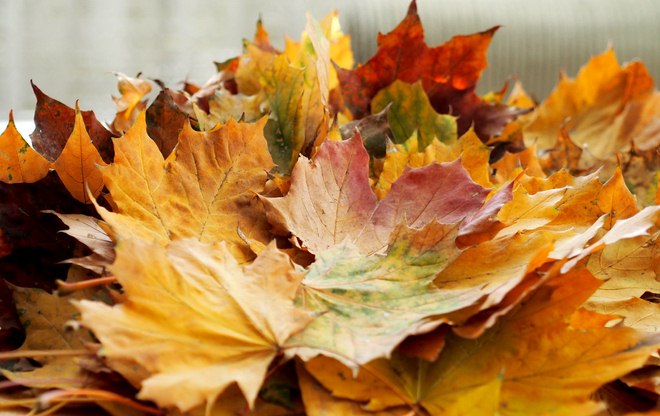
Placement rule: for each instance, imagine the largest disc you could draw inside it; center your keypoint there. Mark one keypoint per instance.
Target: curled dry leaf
(92, 233)
(129, 103)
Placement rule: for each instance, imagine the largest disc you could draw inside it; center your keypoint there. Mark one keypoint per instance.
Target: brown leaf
(54, 123)
(32, 248)
(165, 121)
(449, 73)
(45, 317)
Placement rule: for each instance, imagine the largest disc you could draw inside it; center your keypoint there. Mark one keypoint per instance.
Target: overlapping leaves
(260, 250)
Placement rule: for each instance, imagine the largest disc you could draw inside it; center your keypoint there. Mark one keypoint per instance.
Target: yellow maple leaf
(19, 163)
(338, 51)
(205, 189)
(616, 200)
(195, 321)
(78, 164)
(473, 153)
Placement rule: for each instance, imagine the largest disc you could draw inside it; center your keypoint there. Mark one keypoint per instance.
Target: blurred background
(70, 48)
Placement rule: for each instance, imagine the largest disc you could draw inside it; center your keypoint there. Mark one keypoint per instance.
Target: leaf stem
(94, 395)
(65, 287)
(10, 355)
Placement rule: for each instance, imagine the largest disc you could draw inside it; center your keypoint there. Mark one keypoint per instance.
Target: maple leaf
(45, 316)
(330, 199)
(19, 163)
(636, 313)
(165, 121)
(205, 189)
(597, 108)
(368, 304)
(473, 153)
(257, 56)
(337, 47)
(635, 226)
(224, 106)
(78, 164)
(449, 73)
(411, 111)
(130, 103)
(300, 117)
(54, 124)
(531, 362)
(320, 402)
(496, 267)
(418, 273)
(629, 268)
(194, 321)
(607, 115)
(616, 200)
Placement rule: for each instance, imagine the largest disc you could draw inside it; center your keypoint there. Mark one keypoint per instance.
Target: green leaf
(411, 110)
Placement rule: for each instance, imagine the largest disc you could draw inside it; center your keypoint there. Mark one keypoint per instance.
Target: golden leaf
(78, 164)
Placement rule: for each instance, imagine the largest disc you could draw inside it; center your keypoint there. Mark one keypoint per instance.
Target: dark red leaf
(54, 121)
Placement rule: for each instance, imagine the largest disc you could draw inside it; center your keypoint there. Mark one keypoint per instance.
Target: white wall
(71, 47)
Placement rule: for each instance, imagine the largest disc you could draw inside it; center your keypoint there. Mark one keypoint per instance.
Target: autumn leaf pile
(301, 235)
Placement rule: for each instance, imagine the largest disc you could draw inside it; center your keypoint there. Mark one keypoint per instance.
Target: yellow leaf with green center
(411, 111)
(367, 305)
(298, 115)
(531, 362)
